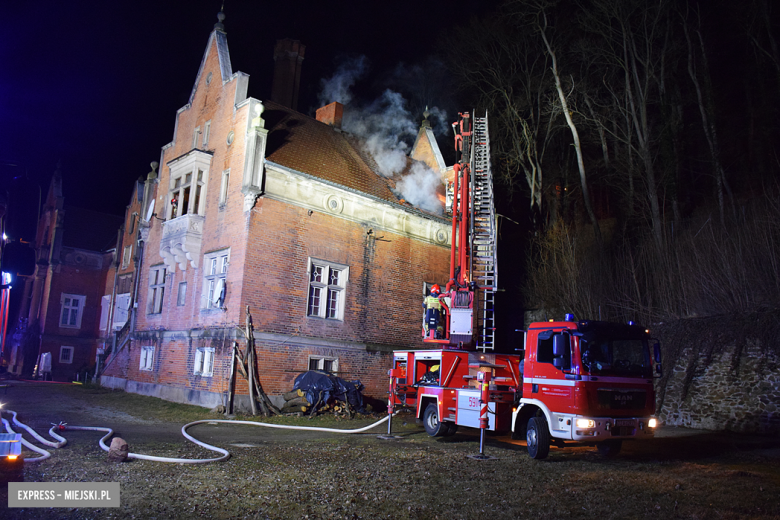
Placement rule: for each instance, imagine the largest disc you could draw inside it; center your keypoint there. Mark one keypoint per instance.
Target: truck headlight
(585, 423)
(652, 423)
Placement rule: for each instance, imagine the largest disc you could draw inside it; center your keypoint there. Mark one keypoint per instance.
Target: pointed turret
(217, 37)
(425, 148)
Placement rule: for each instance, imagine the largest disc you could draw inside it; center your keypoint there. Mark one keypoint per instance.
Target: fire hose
(109, 432)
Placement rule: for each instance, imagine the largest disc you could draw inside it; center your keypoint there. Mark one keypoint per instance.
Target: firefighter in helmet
(432, 307)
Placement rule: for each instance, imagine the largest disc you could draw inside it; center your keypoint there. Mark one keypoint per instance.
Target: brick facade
(297, 190)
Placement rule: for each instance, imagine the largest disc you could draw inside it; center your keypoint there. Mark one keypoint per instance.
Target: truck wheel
(538, 438)
(433, 426)
(452, 428)
(609, 449)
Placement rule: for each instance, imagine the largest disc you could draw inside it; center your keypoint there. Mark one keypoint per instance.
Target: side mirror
(562, 352)
(560, 345)
(659, 371)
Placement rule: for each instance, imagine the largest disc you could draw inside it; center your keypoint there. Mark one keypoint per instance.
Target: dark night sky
(96, 85)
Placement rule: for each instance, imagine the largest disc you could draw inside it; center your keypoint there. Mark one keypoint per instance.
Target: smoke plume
(388, 130)
(338, 87)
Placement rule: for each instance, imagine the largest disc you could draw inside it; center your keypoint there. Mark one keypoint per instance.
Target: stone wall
(721, 373)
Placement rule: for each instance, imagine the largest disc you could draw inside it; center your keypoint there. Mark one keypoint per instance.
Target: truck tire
(433, 426)
(538, 438)
(452, 429)
(609, 449)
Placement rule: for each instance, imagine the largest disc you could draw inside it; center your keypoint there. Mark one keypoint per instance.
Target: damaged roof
(302, 143)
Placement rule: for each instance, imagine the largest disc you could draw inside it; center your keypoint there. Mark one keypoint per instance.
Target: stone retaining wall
(721, 373)
(737, 391)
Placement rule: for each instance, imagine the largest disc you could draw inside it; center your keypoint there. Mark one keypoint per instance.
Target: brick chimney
(288, 56)
(331, 114)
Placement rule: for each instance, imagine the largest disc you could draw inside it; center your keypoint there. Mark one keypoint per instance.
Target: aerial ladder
(468, 299)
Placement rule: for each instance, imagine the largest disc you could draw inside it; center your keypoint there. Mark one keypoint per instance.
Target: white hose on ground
(45, 454)
(61, 440)
(225, 453)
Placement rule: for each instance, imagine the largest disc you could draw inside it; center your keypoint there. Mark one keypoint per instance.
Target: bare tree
(543, 27)
(506, 69)
(705, 108)
(631, 55)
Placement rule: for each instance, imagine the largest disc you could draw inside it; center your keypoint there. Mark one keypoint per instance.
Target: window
(72, 310)
(214, 288)
(328, 364)
(105, 306)
(121, 310)
(187, 193)
(125, 283)
(195, 135)
(327, 283)
(147, 358)
(66, 355)
(204, 362)
(206, 132)
(127, 254)
(156, 289)
(223, 189)
(181, 297)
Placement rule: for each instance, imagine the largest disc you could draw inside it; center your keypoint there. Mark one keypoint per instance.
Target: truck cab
(588, 382)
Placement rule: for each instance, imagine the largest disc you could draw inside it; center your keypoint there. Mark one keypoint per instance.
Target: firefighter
(432, 307)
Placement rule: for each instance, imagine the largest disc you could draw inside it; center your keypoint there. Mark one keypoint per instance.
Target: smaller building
(57, 336)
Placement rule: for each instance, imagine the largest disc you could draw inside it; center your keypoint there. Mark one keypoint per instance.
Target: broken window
(327, 284)
(181, 298)
(187, 193)
(147, 358)
(327, 364)
(204, 362)
(127, 254)
(156, 289)
(214, 281)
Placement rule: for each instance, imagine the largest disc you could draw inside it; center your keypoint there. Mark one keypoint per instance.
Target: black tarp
(315, 383)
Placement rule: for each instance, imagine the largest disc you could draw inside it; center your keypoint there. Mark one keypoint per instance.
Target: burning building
(257, 206)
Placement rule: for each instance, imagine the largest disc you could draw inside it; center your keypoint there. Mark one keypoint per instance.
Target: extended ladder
(484, 258)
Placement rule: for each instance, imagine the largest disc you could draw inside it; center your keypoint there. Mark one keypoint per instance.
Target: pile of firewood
(295, 402)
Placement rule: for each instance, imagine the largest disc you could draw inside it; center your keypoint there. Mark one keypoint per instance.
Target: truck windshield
(616, 357)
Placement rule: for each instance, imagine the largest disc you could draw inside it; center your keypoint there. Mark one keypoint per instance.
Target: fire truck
(573, 382)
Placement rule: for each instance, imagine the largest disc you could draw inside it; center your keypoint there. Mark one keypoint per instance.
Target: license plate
(624, 422)
(622, 431)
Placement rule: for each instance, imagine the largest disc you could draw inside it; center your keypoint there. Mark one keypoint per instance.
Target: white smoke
(338, 87)
(388, 130)
(419, 188)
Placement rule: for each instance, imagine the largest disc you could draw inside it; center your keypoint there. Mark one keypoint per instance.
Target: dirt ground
(275, 473)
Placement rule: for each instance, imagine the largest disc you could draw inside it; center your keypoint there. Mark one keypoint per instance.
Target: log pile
(295, 402)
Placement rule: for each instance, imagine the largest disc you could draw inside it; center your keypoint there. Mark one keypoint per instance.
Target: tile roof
(302, 143)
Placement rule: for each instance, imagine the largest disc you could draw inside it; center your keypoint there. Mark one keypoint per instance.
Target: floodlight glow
(585, 423)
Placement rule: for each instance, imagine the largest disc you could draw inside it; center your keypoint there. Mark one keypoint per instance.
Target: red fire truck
(586, 382)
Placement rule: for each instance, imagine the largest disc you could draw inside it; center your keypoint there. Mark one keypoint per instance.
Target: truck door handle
(534, 388)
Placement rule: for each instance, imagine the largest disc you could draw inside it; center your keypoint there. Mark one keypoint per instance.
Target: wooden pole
(232, 380)
(250, 349)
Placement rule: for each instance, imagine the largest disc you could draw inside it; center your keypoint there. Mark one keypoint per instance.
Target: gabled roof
(426, 149)
(219, 36)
